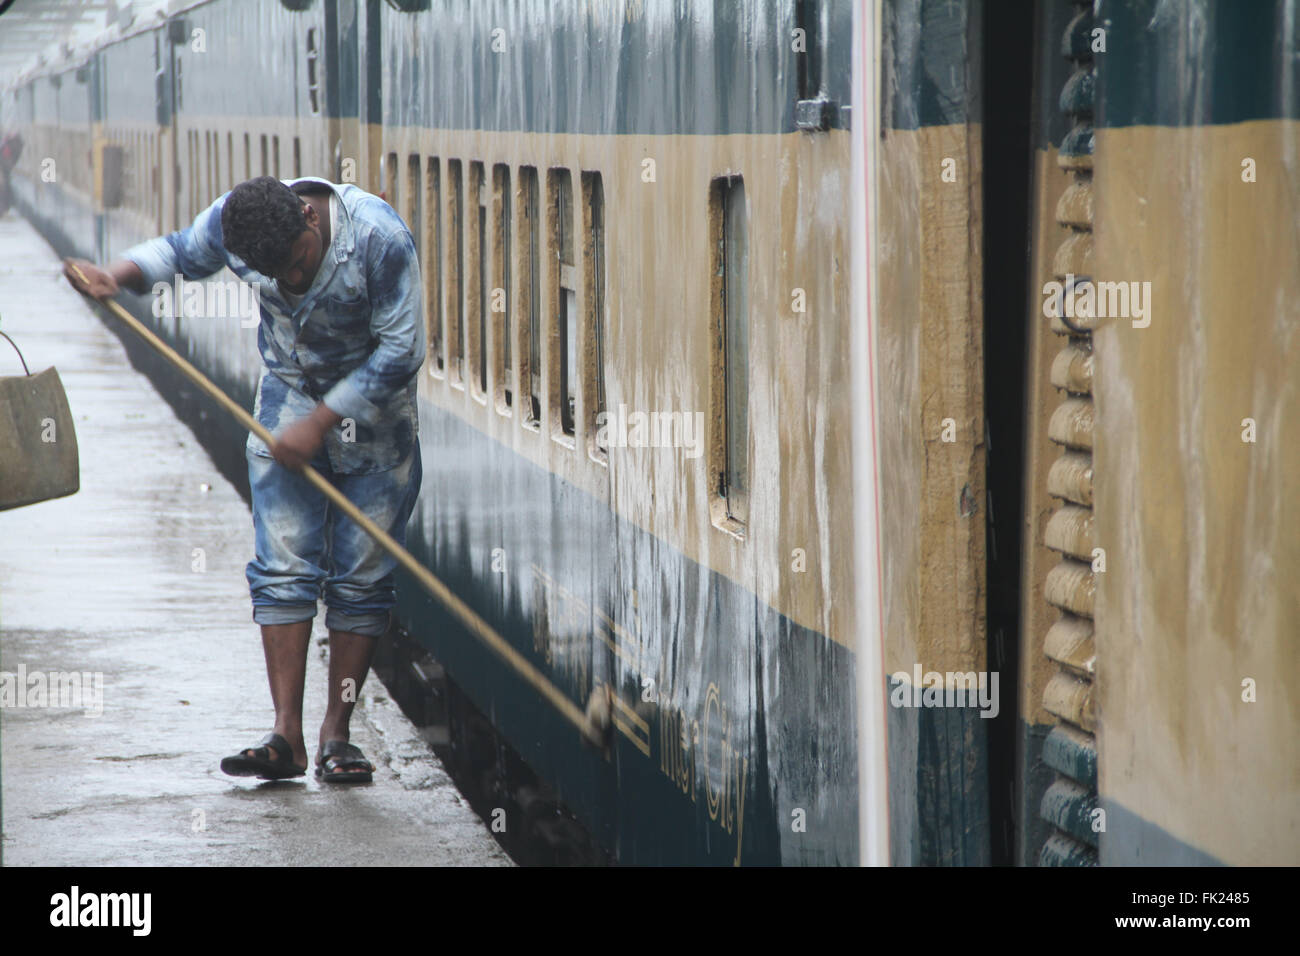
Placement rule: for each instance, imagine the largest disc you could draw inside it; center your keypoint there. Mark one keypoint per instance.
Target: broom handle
(443, 594)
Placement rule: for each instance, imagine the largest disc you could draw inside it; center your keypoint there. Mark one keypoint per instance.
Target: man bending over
(342, 336)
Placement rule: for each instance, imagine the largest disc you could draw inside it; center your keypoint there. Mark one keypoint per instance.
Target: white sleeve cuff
(156, 259)
(344, 399)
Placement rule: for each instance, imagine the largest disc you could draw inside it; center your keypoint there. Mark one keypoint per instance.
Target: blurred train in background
(639, 207)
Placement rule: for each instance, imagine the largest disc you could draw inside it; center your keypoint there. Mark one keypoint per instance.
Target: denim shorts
(306, 546)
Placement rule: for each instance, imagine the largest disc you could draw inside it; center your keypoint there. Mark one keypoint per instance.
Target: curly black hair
(260, 221)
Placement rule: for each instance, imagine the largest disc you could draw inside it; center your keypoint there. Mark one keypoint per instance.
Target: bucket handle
(26, 370)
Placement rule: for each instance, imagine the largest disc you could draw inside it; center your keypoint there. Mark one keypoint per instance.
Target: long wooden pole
(443, 594)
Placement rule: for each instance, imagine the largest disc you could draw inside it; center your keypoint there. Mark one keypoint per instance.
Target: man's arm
(298, 444)
(396, 322)
(105, 282)
(195, 252)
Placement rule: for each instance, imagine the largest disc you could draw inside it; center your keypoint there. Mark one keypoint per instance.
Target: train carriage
(636, 407)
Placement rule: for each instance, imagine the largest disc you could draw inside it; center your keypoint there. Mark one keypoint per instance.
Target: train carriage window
(501, 292)
(313, 80)
(414, 201)
(153, 176)
(729, 390)
(564, 303)
(388, 176)
(433, 274)
(415, 221)
(593, 255)
(477, 285)
(530, 296)
(456, 269)
(193, 184)
(130, 163)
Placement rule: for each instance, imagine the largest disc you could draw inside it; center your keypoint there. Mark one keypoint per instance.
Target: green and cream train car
(636, 226)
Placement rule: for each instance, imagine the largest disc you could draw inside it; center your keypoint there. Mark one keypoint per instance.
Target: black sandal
(336, 757)
(257, 762)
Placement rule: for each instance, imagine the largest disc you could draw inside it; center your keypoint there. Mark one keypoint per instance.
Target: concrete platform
(109, 582)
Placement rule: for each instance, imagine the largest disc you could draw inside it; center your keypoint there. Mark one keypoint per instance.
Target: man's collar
(342, 238)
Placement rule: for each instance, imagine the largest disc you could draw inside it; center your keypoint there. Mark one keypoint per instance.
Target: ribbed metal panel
(1068, 807)
(1070, 587)
(1072, 369)
(1072, 753)
(1071, 747)
(1069, 698)
(1074, 208)
(1062, 850)
(1071, 423)
(1069, 642)
(1071, 478)
(1069, 531)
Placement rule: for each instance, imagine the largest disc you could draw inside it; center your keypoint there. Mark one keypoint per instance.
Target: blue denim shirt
(355, 340)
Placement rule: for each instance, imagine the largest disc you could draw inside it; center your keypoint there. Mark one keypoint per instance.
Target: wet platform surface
(108, 581)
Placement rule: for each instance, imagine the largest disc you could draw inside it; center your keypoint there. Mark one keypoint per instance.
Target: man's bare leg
(350, 656)
(285, 646)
